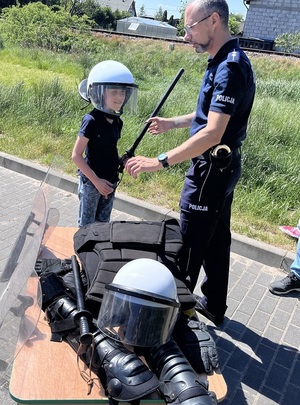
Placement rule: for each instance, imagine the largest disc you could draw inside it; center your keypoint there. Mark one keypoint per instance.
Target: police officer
(217, 129)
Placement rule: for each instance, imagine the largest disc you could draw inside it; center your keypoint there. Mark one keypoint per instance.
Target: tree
(171, 20)
(103, 17)
(165, 16)
(235, 23)
(180, 25)
(159, 14)
(142, 12)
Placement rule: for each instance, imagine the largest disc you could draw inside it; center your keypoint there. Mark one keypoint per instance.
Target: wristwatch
(163, 159)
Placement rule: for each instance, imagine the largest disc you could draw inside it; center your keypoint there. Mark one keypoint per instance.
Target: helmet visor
(134, 319)
(113, 98)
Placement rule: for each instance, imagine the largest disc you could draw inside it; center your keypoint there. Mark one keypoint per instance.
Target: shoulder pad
(233, 56)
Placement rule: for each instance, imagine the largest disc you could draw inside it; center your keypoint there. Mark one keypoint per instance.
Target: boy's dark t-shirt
(101, 152)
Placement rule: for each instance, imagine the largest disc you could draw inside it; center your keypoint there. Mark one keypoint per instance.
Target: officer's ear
(215, 18)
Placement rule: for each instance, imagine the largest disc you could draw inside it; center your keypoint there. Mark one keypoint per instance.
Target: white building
(267, 19)
(147, 27)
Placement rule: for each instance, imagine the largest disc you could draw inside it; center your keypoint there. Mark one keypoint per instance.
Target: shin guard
(122, 373)
(179, 383)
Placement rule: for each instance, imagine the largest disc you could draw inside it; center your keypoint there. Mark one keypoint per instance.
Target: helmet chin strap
(111, 113)
(86, 106)
(111, 116)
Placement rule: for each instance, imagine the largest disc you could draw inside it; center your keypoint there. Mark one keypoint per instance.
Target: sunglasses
(188, 29)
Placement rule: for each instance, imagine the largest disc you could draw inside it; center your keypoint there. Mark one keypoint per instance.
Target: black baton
(83, 317)
(130, 153)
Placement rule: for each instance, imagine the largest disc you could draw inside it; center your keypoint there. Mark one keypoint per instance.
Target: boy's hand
(104, 187)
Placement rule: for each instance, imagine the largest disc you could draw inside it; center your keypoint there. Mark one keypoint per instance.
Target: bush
(36, 25)
(289, 43)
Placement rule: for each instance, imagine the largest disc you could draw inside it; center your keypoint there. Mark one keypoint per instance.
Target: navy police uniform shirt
(228, 87)
(101, 152)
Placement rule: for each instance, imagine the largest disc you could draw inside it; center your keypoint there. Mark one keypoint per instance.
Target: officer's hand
(158, 125)
(139, 164)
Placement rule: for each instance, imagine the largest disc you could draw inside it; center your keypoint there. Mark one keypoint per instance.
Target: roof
(147, 21)
(121, 5)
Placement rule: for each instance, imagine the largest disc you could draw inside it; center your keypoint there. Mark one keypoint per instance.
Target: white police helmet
(106, 75)
(140, 307)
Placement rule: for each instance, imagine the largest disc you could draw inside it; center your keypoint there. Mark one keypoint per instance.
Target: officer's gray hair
(213, 6)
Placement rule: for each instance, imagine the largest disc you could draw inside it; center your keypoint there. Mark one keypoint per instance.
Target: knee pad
(179, 383)
(122, 373)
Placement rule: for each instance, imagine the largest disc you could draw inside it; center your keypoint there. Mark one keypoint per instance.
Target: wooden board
(46, 372)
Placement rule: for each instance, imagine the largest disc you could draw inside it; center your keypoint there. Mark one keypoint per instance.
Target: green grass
(41, 113)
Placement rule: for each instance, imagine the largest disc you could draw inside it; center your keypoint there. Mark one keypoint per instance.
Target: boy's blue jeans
(92, 205)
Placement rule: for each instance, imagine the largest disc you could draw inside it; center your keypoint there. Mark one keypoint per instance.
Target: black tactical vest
(103, 248)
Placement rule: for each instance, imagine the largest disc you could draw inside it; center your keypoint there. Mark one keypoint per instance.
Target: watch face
(162, 156)
(163, 159)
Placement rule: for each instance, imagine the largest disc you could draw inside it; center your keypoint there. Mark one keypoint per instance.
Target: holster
(221, 156)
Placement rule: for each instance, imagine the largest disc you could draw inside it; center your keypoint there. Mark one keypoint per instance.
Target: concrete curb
(241, 245)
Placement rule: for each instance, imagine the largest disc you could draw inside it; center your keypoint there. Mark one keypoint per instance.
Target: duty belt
(221, 156)
(234, 152)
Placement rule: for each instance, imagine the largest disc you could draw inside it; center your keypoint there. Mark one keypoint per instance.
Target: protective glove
(58, 266)
(196, 343)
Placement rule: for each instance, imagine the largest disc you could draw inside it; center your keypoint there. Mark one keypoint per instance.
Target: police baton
(130, 153)
(82, 317)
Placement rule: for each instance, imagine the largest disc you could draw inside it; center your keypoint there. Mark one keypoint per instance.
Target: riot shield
(20, 293)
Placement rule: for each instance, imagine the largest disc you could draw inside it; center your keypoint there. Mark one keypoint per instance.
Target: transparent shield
(20, 292)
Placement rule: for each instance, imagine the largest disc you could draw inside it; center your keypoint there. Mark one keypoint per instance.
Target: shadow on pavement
(252, 364)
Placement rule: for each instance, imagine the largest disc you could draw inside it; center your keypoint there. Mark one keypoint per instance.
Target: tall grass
(41, 113)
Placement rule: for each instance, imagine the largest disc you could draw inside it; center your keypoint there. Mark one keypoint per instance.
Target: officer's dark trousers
(205, 228)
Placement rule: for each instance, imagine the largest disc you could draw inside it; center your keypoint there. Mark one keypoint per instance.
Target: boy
(109, 87)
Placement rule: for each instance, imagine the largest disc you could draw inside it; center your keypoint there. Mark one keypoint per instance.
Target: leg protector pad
(122, 373)
(179, 383)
